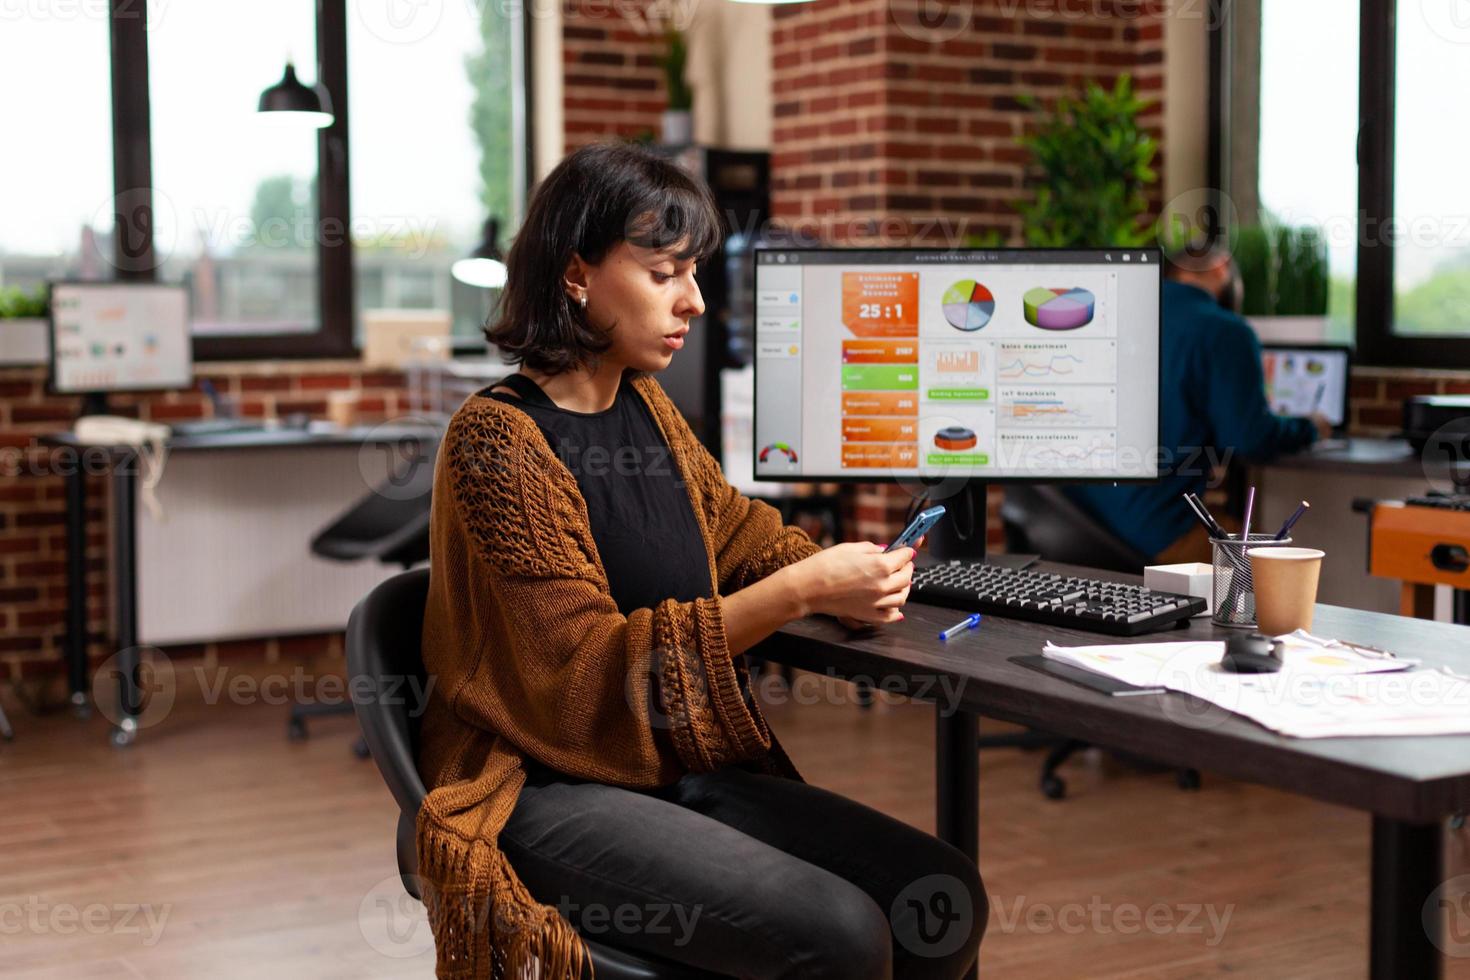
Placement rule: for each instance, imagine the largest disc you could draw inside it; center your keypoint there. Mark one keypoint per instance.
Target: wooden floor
(217, 848)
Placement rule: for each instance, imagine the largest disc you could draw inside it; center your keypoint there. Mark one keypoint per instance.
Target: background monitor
(119, 336)
(1011, 364)
(1304, 379)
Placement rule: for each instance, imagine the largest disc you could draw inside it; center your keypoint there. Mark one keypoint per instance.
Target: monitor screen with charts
(1308, 380)
(119, 336)
(887, 364)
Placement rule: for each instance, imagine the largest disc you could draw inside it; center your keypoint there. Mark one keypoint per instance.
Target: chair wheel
(296, 730)
(360, 748)
(1053, 788)
(1188, 779)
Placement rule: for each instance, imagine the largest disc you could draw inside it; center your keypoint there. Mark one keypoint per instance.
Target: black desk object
(1409, 785)
(122, 467)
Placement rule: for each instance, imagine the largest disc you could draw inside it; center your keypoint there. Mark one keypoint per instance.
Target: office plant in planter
(1094, 164)
(678, 119)
(1286, 281)
(23, 327)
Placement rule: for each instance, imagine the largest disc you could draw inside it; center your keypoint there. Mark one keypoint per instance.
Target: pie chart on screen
(968, 306)
(1059, 309)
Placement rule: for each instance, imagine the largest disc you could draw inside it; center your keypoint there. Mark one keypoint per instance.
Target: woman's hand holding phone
(858, 583)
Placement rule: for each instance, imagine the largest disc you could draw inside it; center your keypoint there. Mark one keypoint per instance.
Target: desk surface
(282, 438)
(1372, 457)
(1417, 779)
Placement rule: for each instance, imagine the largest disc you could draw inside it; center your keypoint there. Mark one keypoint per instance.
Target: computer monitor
(119, 336)
(1308, 378)
(876, 365)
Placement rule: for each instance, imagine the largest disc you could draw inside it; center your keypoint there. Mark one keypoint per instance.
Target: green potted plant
(1095, 162)
(1285, 273)
(23, 327)
(678, 120)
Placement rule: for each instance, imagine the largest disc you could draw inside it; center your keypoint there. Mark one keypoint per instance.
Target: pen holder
(1234, 594)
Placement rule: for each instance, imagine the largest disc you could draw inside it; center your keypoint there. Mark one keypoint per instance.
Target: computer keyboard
(214, 427)
(1056, 600)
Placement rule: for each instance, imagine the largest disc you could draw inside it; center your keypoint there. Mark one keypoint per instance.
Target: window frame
(336, 266)
(1374, 339)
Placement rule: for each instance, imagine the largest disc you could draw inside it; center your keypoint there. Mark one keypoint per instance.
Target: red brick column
(612, 85)
(894, 126)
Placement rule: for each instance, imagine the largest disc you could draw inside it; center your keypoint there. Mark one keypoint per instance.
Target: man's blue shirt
(1212, 400)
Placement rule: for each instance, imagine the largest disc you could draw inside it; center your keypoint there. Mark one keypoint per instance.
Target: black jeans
(748, 875)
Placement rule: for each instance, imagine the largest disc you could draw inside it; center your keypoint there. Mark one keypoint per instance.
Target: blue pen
(958, 628)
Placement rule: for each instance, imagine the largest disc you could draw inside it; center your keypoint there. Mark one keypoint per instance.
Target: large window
(284, 236)
(1308, 168)
(436, 150)
(1431, 193)
(1341, 141)
(234, 192)
(56, 193)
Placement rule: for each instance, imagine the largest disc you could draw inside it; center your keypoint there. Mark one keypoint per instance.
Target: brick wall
(1377, 395)
(893, 126)
(32, 532)
(611, 83)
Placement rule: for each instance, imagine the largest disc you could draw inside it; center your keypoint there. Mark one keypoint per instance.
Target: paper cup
(1286, 587)
(342, 408)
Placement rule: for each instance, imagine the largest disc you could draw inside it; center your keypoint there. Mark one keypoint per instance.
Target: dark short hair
(599, 196)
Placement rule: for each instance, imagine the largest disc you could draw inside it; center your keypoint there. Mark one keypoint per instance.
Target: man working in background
(1212, 397)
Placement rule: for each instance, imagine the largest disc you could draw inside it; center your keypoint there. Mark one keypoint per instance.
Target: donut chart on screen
(968, 306)
(955, 438)
(1059, 309)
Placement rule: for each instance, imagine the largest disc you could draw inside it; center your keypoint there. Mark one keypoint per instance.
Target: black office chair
(390, 525)
(383, 654)
(1043, 521)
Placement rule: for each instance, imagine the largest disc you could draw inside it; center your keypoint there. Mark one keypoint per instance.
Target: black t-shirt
(642, 522)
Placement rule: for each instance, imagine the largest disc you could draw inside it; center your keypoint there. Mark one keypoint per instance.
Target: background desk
(1408, 785)
(245, 503)
(1379, 469)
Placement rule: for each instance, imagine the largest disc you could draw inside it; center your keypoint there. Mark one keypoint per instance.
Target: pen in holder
(1234, 595)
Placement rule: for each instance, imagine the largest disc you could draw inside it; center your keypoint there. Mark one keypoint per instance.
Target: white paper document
(1323, 689)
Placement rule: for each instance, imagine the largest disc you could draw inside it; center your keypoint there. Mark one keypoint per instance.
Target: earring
(582, 300)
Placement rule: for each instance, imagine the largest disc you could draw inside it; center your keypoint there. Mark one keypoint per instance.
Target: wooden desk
(1332, 478)
(1408, 785)
(121, 465)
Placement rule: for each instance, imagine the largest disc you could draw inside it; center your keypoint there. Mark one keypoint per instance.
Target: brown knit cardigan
(532, 658)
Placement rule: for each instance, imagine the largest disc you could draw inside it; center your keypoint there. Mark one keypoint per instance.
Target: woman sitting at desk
(591, 742)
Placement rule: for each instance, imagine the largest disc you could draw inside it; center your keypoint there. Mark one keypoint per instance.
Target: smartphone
(920, 527)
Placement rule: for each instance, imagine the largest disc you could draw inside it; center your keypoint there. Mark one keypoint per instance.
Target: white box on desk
(1194, 578)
